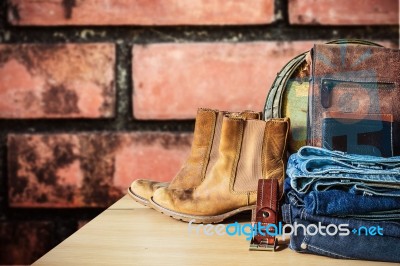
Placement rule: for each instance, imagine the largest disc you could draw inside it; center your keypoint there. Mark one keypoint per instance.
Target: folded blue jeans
(341, 203)
(378, 248)
(360, 242)
(314, 168)
(309, 152)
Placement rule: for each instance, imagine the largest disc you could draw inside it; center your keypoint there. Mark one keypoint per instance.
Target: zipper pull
(326, 89)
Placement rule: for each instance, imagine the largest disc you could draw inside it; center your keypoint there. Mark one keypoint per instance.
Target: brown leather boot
(249, 150)
(204, 154)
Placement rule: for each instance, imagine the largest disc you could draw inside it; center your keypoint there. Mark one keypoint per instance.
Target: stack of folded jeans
(352, 203)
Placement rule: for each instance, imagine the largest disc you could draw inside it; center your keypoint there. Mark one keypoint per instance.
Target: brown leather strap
(266, 213)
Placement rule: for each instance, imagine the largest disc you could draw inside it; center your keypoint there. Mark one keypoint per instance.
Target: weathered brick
(344, 12)
(171, 80)
(22, 243)
(139, 12)
(88, 169)
(57, 81)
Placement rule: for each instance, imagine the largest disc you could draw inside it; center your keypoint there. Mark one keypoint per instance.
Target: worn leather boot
(249, 150)
(203, 155)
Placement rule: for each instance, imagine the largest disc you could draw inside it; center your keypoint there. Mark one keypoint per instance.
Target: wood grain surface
(130, 234)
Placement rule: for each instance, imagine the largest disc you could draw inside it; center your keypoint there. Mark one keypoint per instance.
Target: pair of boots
(230, 153)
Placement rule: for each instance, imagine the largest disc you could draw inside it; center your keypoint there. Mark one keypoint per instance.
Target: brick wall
(94, 94)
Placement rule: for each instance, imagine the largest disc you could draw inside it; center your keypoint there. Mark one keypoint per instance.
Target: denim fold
(385, 247)
(341, 203)
(334, 189)
(358, 174)
(362, 247)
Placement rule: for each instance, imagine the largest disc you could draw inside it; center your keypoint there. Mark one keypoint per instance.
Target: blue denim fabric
(336, 202)
(309, 152)
(377, 190)
(330, 187)
(290, 213)
(340, 203)
(351, 186)
(311, 167)
(378, 248)
(352, 246)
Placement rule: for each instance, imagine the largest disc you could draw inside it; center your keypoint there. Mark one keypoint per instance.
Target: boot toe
(163, 197)
(144, 188)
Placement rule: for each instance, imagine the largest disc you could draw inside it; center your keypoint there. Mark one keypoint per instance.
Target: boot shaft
(193, 170)
(249, 166)
(258, 148)
(217, 133)
(204, 152)
(275, 148)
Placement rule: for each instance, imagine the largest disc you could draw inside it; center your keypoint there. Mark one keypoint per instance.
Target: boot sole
(198, 219)
(138, 199)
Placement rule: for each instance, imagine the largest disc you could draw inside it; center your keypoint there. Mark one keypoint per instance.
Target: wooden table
(131, 234)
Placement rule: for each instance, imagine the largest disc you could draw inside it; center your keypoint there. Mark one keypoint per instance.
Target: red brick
(57, 81)
(22, 243)
(139, 12)
(88, 169)
(171, 80)
(344, 12)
